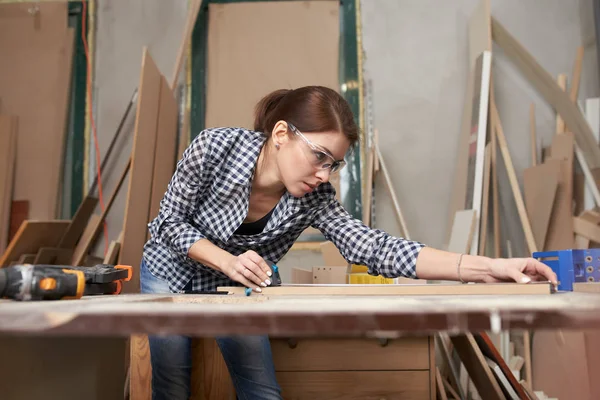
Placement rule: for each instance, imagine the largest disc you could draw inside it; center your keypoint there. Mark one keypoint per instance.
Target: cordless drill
(26, 282)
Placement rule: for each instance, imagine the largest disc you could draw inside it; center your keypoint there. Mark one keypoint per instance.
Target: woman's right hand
(249, 269)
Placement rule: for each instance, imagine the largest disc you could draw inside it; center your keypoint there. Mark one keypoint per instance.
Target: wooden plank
(398, 290)
(485, 206)
(140, 368)
(550, 90)
(489, 350)
(475, 363)
(586, 229)
(95, 223)
(78, 223)
(560, 230)
(137, 204)
(540, 184)
(514, 183)
(532, 135)
(8, 146)
(166, 142)
(480, 40)
(33, 235)
(81, 251)
(561, 81)
(583, 242)
(355, 385)
(19, 212)
(343, 354)
(329, 275)
(112, 254)
(53, 256)
(441, 391)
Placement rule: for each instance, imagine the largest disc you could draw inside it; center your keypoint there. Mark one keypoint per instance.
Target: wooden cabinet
(361, 368)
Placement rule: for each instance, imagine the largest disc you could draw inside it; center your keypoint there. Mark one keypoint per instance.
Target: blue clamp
(571, 266)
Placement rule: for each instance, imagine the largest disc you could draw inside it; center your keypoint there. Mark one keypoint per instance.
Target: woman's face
(302, 156)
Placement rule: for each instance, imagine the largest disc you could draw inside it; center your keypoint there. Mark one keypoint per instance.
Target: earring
(277, 146)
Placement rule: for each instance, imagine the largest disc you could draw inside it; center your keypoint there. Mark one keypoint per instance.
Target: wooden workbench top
(207, 315)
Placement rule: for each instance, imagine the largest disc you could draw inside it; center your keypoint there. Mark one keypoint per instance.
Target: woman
(241, 196)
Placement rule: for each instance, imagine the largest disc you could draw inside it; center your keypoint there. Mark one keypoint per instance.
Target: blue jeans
(248, 358)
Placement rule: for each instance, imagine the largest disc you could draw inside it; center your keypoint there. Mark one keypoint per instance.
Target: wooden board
(53, 256)
(78, 223)
(142, 165)
(166, 141)
(33, 235)
(8, 146)
(560, 229)
(480, 40)
(36, 87)
(399, 290)
(540, 184)
(549, 89)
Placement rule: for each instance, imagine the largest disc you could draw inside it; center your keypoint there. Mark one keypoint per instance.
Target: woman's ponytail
(264, 109)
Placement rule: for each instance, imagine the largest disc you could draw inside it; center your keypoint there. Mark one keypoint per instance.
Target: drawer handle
(383, 342)
(292, 343)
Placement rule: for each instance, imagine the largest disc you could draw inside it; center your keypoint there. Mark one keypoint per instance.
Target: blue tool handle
(248, 291)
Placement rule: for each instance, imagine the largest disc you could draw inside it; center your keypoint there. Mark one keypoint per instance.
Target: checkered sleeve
(172, 227)
(382, 253)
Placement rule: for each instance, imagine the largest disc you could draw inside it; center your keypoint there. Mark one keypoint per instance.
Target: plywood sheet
(462, 231)
(142, 165)
(35, 86)
(241, 49)
(540, 184)
(166, 143)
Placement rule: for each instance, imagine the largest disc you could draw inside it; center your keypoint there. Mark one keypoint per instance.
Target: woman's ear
(280, 135)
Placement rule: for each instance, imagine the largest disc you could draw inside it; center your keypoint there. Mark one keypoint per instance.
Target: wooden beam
(399, 290)
(549, 89)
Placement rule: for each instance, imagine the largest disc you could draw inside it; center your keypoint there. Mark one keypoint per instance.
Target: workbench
(404, 325)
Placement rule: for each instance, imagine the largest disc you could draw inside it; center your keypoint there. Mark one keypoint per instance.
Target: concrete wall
(123, 29)
(416, 56)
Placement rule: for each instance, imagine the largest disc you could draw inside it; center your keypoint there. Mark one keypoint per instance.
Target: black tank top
(253, 228)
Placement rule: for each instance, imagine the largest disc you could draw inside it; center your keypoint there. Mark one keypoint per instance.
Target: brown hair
(308, 108)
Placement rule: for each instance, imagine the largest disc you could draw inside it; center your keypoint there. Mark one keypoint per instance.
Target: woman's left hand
(523, 270)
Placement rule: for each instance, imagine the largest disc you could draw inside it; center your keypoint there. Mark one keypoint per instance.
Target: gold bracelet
(458, 268)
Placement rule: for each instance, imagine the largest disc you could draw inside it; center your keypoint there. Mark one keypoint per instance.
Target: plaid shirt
(208, 195)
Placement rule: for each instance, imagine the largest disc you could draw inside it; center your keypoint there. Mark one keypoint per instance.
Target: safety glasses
(318, 157)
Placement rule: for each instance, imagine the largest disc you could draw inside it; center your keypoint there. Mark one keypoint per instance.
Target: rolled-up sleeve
(383, 254)
(172, 227)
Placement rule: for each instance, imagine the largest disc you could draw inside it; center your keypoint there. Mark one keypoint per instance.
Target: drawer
(349, 385)
(343, 354)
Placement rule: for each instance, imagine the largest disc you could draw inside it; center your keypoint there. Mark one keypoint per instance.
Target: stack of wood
(40, 237)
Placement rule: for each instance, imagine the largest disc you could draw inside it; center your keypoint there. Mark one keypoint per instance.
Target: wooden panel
(549, 89)
(35, 87)
(540, 184)
(142, 165)
(302, 276)
(53, 256)
(87, 238)
(19, 212)
(355, 385)
(328, 275)
(560, 230)
(395, 290)
(33, 235)
(211, 378)
(166, 141)
(410, 353)
(8, 146)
